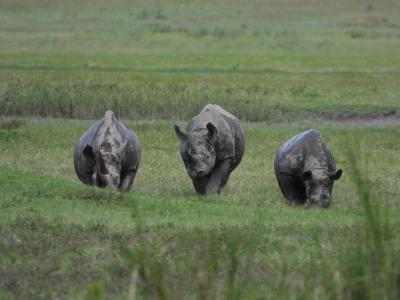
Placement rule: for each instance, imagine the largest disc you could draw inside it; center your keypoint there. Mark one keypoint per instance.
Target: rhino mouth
(323, 202)
(319, 204)
(197, 174)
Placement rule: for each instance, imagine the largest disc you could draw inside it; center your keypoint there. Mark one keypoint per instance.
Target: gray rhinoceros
(108, 154)
(211, 148)
(306, 170)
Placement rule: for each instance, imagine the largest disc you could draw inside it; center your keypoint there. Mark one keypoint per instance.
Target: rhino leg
(219, 177)
(200, 184)
(292, 189)
(126, 181)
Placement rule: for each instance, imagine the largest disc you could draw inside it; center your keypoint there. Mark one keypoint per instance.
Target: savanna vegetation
(281, 66)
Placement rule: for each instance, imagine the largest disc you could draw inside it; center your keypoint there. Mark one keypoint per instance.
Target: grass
(277, 99)
(272, 63)
(163, 241)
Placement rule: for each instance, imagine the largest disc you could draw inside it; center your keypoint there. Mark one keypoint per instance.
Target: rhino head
(198, 150)
(319, 185)
(108, 161)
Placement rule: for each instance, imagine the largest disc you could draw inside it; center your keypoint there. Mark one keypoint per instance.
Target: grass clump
(371, 269)
(138, 102)
(42, 260)
(10, 124)
(364, 264)
(209, 270)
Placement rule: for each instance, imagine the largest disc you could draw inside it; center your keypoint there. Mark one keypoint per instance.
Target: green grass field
(281, 66)
(266, 61)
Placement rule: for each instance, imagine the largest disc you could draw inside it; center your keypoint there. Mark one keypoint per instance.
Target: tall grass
(366, 264)
(371, 269)
(363, 263)
(208, 261)
(139, 101)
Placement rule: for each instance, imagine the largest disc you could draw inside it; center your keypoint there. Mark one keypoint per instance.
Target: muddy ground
(386, 117)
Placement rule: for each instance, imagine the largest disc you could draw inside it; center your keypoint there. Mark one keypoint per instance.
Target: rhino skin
(211, 148)
(108, 154)
(306, 170)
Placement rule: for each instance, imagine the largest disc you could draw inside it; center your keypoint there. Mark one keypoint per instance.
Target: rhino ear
(212, 131)
(88, 152)
(336, 175)
(181, 135)
(307, 175)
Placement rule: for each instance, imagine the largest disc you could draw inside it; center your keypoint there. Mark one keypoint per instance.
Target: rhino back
(237, 133)
(219, 110)
(90, 136)
(306, 150)
(133, 153)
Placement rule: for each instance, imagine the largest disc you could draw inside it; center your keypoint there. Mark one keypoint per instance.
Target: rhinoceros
(306, 170)
(211, 148)
(108, 154)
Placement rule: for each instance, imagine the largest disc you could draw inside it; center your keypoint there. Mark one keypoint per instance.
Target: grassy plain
(272, 63)
(58, 236)
(265, 60)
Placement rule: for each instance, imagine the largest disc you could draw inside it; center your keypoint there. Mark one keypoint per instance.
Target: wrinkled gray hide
(108, 154)
(211, 148)
(306, 170)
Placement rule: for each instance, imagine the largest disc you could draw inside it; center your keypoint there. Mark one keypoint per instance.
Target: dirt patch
(386, 117)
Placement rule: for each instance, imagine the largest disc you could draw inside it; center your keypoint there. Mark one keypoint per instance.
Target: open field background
(265, 60)
(281, 66)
